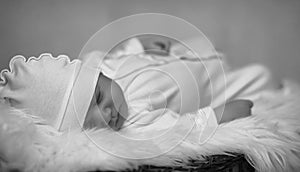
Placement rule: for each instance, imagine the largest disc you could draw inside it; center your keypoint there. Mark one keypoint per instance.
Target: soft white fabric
(269, 139)
(52, 88)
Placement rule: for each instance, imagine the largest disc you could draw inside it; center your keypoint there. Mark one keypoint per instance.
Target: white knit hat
(54, 88)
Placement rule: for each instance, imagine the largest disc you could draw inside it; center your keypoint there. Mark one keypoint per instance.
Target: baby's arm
(156, 44)
(233, 110)
(208, 119)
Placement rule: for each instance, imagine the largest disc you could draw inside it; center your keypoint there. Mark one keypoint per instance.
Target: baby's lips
(117, 119)
(114, 121)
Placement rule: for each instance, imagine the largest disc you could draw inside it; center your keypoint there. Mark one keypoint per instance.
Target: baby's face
(108, 106)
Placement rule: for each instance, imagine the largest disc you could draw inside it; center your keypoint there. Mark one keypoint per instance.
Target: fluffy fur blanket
(270, 139)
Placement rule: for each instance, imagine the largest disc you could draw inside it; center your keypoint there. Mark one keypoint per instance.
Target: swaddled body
(162, 88)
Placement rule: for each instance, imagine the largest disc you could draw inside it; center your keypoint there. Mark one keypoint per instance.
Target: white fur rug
(270, 139)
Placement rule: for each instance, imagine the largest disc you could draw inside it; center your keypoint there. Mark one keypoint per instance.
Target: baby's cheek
(94, 119)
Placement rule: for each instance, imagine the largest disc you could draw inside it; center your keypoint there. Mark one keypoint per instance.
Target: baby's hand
(155, 44)
(233, 110)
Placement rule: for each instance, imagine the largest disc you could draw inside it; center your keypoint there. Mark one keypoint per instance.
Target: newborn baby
(109, 107)
(141, 86)
(133, 90)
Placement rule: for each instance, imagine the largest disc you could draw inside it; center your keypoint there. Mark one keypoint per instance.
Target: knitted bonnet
(54, 88)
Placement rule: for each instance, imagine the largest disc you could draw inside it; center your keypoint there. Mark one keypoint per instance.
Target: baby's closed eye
(105, 106)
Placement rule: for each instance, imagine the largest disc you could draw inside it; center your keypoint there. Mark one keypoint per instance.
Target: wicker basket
(219, 163)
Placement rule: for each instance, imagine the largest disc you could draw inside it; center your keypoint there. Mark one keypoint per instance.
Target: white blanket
(270, 139)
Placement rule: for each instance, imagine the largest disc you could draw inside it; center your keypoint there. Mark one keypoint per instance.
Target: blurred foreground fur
(270, 139)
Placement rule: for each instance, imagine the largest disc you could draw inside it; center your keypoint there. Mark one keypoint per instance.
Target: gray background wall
(246, 31)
